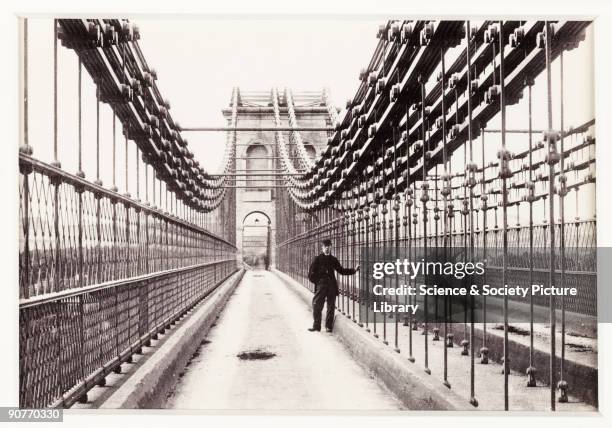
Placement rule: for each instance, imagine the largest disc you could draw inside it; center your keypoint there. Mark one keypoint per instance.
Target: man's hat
(327, 242)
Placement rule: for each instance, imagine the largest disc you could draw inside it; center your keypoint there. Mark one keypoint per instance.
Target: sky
(255, 54)
(198, 62)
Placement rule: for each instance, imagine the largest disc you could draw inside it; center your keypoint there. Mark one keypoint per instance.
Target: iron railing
(102, 272)
(408, 171)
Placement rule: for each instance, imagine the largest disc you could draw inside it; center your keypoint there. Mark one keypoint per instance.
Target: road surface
(300, 370)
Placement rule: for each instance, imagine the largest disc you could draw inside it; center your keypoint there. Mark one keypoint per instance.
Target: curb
(149, 385)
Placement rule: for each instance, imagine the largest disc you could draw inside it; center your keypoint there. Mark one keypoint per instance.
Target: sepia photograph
(307, 214)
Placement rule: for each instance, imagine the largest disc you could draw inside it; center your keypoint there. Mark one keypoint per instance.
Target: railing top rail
(75, 181)
(309, 233)
(52, 297)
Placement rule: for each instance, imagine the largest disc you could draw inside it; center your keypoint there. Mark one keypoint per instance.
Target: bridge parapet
(427, 159)
(103, 270)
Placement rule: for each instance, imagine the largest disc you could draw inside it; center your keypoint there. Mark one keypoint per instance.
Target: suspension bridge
(459, 138)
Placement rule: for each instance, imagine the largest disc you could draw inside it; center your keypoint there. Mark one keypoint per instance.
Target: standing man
(322, 273)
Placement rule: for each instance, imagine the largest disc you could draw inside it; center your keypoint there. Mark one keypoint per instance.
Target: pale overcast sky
(199, 61)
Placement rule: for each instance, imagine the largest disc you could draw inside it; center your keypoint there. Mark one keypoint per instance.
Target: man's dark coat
(322, 271)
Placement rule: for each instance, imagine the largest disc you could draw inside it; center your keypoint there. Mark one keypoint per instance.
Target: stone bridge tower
(257, 155)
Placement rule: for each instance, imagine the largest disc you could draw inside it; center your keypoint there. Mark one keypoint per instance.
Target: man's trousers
(324, 292)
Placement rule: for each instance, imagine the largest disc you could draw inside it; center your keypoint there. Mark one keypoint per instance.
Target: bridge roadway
(309, 371)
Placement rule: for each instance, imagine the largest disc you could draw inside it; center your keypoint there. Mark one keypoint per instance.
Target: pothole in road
(256, 354)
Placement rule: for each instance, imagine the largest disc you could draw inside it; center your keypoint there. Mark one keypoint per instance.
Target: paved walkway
(309, 371)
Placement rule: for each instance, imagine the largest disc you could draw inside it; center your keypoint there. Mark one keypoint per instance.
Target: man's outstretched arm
(342, 270)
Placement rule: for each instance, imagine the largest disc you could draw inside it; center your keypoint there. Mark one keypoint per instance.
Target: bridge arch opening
(256, 230)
